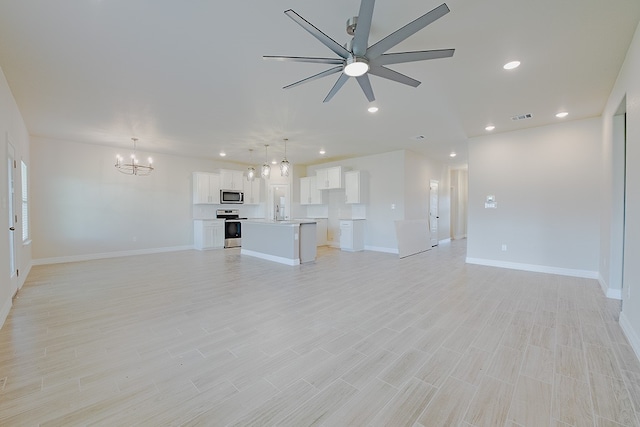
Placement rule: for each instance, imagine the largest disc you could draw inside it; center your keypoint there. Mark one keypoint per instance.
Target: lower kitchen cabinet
(352, 235)
(208, 234)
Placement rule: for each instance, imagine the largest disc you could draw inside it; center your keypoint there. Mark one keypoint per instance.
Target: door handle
(12, 229)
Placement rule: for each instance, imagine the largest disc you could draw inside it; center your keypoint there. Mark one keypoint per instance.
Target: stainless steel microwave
(231, 196)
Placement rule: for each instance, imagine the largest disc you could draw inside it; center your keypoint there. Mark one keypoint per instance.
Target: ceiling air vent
(521, 117)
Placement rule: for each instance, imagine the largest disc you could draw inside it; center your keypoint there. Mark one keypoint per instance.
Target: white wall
(399, 179)
(12, 126)
(627, 85)
(83, 207)
(546, 182)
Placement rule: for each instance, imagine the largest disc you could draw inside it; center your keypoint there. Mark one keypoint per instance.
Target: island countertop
(287, 222)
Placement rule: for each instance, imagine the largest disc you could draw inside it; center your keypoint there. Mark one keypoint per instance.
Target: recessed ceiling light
(322, 152)
(274, 162)
(511, 65)
(453, 154)
(562, 114)
(490, 128)
(372, 109)
(222, 154)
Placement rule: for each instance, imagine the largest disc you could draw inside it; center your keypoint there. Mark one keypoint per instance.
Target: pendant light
(266, 169)
(285, 166)
(251, 171)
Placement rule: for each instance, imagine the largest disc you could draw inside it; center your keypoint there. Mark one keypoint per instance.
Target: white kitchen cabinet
(353, 187)
(329, 178)
(309, 193)
(352, 235)
(206, 188)
(252, 191)
(208, 234)
(231, 179)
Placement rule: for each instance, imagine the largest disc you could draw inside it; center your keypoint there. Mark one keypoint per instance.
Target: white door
(13, 218)
(433, 211)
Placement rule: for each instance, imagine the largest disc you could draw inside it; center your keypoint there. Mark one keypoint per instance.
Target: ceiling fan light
(356, 66)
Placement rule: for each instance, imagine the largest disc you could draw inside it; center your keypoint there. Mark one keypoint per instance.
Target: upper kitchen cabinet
(231, 179)
(252, 191)
(309, 193)
(354, 187)
(329, 178)
(206, 188)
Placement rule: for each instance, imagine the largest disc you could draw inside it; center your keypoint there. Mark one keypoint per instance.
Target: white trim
(89, 257)
(631, 335)
(4, 312)
(381, 249)
(587, 274)
(281, 260)
(610, 293)
(614, 294)
(443, 241)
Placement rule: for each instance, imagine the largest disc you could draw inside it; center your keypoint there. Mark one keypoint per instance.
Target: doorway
(433, 211)
(618, 200)
(12, 216)
(279, 205)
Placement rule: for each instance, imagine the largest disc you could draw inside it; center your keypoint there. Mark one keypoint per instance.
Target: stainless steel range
(232, 227)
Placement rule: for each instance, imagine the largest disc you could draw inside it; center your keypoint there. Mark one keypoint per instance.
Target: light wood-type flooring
(355, 339)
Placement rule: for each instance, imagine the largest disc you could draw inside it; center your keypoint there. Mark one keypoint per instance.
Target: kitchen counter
(290, 242)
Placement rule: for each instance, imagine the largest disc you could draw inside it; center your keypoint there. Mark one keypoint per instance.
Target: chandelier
(285, 166)
(134, 167)
(266, 169)
(251, 171)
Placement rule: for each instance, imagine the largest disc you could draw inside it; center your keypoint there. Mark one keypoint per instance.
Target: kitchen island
(290, 242)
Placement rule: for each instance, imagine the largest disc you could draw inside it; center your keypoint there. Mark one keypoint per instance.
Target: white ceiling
(187, 76)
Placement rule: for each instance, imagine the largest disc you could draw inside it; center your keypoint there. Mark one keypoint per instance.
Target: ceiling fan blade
(304, 59)
(315, 76)
(387, 73)
(363, 27)
(365, 84)
(405, 32)
(315, 32)
(399, 58)
(336, 87)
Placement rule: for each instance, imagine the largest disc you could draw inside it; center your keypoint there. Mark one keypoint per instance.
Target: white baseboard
(4, 311)
(631, 335)
(274, 258)
(381, 249)
(89, 257)
(443, 241)
(610, 293)
(587, 274)
(614, 294)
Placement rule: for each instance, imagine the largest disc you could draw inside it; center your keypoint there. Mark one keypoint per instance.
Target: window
(25, 204)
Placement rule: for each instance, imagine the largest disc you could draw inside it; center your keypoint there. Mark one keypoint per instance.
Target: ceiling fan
(358, 60)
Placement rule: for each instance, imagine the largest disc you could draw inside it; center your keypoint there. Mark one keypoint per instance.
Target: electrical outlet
(135, 239)
(504, 247)
(393, 206)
